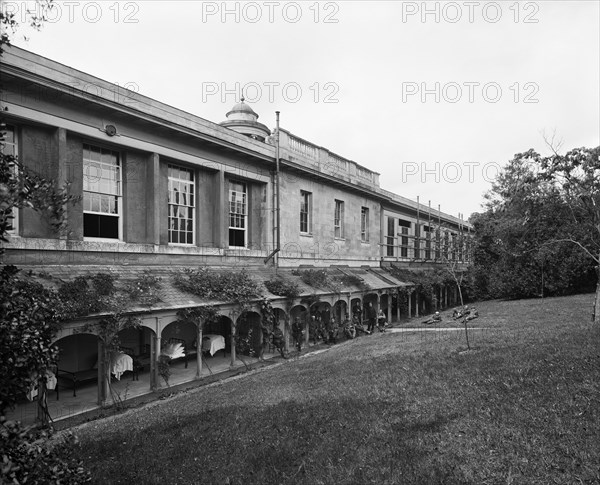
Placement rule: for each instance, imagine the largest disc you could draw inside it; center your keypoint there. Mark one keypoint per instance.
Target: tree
(453, 267)
(576, 176)
(538, 236)
(28, 319)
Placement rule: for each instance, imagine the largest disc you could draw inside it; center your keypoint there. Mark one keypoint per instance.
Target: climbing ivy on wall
(99, 294)
(227, 286)
(322, 279)
(280, 287)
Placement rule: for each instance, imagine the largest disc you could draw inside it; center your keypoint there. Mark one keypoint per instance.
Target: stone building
(161, 190)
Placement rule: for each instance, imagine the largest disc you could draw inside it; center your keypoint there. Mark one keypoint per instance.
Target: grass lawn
(522, 407)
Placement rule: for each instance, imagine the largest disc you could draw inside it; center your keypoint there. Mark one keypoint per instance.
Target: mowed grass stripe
(523, 406)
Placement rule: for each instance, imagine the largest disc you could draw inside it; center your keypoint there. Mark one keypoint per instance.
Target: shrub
(78, 299)
(145, 288)
(29, 457)
(280, 287)
(104, 283)
(234, 286)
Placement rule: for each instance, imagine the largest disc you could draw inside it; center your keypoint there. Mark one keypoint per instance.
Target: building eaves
(40, 70)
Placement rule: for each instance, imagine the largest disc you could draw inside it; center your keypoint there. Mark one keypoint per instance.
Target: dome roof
(242, 107)
(242, 118)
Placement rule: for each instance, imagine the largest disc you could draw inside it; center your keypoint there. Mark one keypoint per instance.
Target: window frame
(364, 224)
(338, 219)
(118, 196)
(446, 251)
(417, 242)
(428, 246)
(390, 236)
(306, 201)
(404, 236)
(244, 215)
(192, 197)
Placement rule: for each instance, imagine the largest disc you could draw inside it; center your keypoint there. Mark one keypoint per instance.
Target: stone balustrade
(304, 153)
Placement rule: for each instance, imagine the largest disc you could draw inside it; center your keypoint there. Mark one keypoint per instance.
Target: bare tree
(452, 258)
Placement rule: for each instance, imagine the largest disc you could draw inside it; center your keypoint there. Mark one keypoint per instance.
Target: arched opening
(356, 310)
(248, 334)
(280, 318)
(301, 315)
(77, 353)
(370, 298)
(320, 316)
(77, 367)
(182, 333)
(137, 343)
(340, 309)
(298, 312)
(220, 326)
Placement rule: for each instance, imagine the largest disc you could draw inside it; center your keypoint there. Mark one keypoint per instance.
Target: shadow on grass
(342, 442)
(525, 409)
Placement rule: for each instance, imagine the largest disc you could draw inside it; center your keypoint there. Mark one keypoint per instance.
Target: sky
(435, 96)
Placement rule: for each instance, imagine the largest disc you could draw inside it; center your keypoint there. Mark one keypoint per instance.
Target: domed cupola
(243, 119)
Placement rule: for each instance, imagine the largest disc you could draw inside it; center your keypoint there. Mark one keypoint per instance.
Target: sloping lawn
(522, 407)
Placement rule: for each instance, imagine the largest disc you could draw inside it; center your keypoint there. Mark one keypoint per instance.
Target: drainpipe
(429, 232)
(439, 233)
(417, 249)
(277, 185)
(277, 199)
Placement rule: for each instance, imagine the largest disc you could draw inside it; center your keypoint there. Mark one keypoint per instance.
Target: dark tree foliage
(531, 240)
(28, 325)
(27, 321)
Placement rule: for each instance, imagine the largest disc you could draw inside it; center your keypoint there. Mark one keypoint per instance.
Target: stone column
(417, 305)
(389, 306)
(154, 354)
(348, 305)
(233, 356)
(306, 330)
(102, 383)
(199, 349)
(286, 331)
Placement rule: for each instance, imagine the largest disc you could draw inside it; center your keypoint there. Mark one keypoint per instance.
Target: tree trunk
(596, 316)
(199, 326)
(462, 306)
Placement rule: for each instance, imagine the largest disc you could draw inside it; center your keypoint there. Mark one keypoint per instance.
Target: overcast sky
(435, 96)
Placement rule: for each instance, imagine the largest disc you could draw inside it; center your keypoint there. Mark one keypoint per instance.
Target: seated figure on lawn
(436, 317)
(459, 312)
(466, 313)
(332, 331)
(349, 327)
(471, 314)
(360, 328)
